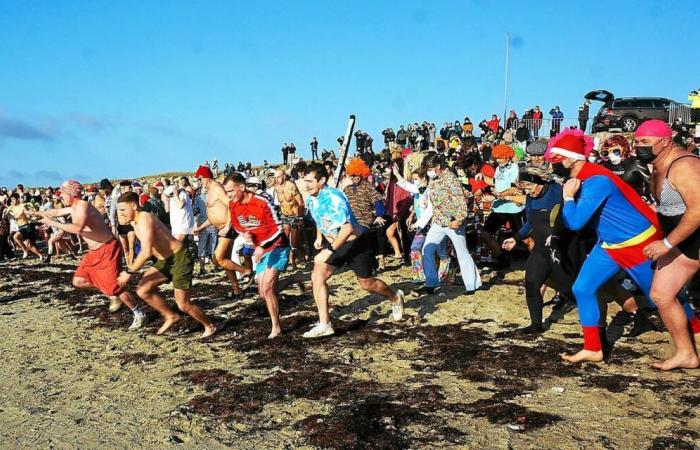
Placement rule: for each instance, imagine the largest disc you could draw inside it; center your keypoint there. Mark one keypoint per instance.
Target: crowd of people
(599, 219)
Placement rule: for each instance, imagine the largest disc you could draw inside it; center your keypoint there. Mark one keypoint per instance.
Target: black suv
(627, 113)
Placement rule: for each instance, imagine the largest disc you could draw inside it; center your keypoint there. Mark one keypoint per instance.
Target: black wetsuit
(633, 173)
(555, 260)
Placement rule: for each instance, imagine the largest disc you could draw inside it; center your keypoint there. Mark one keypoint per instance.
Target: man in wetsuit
(99, 269)
(544, 225)
(218, 215)
(676, 174)
(173, 264)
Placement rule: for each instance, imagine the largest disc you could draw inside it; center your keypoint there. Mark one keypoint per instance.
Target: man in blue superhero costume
(624, 225)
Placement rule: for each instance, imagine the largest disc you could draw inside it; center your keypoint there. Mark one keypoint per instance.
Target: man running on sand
(218, 215)
(344, 241)
(173, 263)
(254, 217)
(99, 269)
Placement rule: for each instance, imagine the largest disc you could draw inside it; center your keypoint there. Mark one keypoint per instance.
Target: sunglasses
(614, 151)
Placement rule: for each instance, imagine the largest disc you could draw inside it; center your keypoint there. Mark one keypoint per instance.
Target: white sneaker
(114, 304)
(320, 330)
(397, 308)
(139, 321)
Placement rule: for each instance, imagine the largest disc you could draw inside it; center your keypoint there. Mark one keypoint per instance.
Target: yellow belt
(638, 239)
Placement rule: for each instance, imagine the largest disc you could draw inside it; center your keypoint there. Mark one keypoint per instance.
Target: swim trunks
(101, 266)
(178, 268)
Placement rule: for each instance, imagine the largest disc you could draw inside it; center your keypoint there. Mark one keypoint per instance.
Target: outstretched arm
(79, 216)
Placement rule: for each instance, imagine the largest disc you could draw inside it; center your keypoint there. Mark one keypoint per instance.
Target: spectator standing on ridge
(512, 120)
(536, 122)
(292, 154)
(285, 156)
(314, 149)
(557, 117)
(583, 116)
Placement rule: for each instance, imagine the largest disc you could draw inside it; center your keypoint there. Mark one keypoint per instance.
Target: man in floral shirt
(449, 213)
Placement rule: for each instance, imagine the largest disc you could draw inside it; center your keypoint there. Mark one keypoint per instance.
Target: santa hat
(570, 143)
(203, 172)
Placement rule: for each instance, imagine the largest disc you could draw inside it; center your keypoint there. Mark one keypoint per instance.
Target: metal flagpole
(505, 96)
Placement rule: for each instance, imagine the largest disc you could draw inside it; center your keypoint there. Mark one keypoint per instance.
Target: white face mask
(592, 159)
(615, 159)
(416, 183)
(431, 174)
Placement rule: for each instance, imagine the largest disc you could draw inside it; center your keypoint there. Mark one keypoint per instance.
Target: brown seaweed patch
(136, 358)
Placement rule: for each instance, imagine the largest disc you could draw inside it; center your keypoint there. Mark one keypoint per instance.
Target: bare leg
(377, 286)
(268, 291)
(391, 236)
(220, 259)
(19, 240)
(672, 272)
(32, 248)
(147, 290)
(319, 277)
(182, 298)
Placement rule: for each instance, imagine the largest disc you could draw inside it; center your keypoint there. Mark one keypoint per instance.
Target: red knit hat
(203, 172)
(569, 143)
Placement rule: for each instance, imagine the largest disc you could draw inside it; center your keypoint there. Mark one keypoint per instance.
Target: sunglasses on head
(614, 151)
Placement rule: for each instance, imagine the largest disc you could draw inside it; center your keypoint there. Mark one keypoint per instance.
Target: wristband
(568, 199)
(667, 244)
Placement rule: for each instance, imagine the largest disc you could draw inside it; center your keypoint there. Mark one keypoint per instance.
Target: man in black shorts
(344, 241)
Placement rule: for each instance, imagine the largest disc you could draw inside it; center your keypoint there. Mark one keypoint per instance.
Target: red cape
(630, 194)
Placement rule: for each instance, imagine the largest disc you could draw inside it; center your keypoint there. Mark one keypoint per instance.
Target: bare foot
(678, 362)
(208, 331)
(275, 332)
(169, 321)
(583, 355)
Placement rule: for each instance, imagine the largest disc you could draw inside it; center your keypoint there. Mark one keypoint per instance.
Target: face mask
(615, 159)
(431, 174)
(592, 159)
(561, 171)
(416, 183)
(645, 154)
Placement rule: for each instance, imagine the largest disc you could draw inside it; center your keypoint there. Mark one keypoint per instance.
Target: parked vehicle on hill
(627, 113)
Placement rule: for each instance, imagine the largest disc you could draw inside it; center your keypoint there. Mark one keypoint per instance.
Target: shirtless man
(99, 269)
(173, 263)
(218, 215)
(292, 209)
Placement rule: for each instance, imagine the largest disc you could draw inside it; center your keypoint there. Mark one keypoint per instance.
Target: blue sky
(93, 89)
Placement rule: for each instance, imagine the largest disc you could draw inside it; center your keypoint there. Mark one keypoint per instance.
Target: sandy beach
(452, 374)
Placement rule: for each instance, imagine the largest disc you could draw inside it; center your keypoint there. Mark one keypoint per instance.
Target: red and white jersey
(259, 218)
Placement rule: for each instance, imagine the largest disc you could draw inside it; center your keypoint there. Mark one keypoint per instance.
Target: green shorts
(178, 268)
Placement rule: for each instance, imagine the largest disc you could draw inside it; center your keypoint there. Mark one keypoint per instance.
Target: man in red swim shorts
(99, 269)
